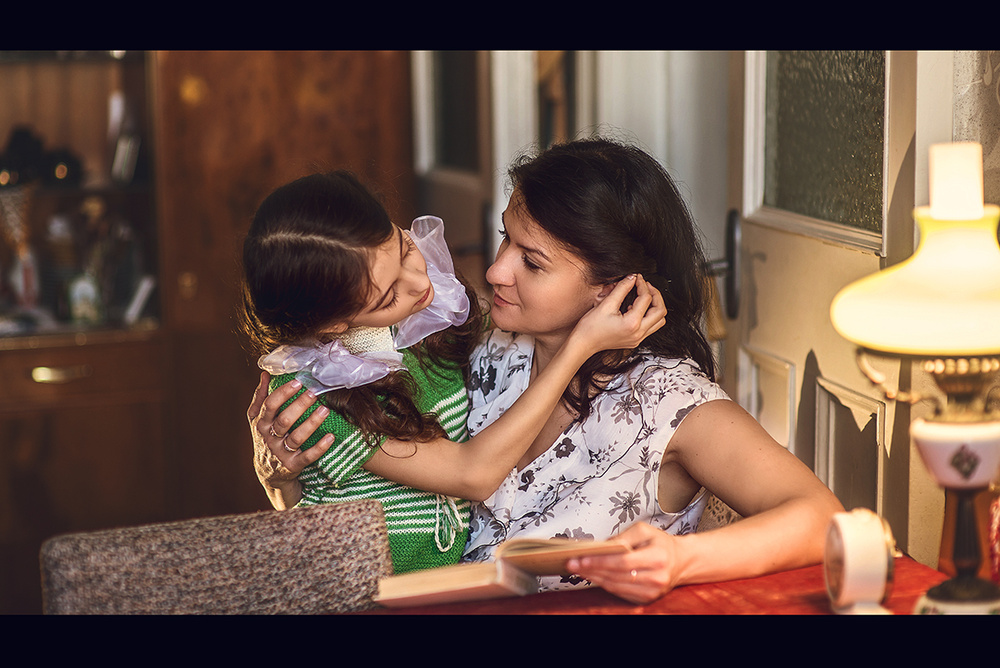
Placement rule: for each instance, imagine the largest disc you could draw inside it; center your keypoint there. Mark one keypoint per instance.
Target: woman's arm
(474, 469)
(786, 512)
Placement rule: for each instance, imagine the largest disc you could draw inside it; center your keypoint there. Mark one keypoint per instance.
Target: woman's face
(540, 288)
(400, 286)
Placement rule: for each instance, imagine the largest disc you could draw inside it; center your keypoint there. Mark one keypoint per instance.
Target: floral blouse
(600, 476)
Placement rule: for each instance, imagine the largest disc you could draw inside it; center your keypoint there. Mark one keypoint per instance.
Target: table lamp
(941, 308)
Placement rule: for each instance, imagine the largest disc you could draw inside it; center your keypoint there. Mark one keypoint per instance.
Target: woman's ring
(271, 429)
(287, 448)
(634, 574)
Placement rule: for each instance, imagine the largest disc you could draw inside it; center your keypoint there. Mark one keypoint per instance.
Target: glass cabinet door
(77, 224)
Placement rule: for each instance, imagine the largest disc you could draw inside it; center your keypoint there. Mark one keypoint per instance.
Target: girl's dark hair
(306, 265)
(616, 207)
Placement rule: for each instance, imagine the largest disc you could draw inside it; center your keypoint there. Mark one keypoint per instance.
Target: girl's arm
(786, 512)
(474, 469)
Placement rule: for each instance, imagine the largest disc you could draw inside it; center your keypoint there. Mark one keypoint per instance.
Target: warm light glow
(945, 299)
(956, 181)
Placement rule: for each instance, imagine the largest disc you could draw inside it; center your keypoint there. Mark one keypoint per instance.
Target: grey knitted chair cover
(319, 559)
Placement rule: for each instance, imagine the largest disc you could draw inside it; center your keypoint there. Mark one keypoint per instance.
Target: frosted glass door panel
(825, 135)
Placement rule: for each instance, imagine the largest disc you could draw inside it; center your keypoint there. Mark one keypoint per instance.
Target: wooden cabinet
(113, 425)
(82, 447)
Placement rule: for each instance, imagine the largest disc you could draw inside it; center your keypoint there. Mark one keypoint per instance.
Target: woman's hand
(277, 457)
(641, 575)
(605, 327)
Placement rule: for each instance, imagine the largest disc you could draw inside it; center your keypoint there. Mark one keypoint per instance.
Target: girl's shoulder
(427, 372)
(281, 379)
(277, 380)
(335, 423)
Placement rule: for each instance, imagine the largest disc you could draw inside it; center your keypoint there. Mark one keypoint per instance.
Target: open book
(513, 573)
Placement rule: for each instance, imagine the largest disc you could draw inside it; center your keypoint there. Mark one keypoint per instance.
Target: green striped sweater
(425, 529)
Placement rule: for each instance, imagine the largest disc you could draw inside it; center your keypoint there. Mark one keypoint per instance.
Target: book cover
(515, 572)
(549, 556)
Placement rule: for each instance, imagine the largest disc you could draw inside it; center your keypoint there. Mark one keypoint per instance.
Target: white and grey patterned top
(600, 476)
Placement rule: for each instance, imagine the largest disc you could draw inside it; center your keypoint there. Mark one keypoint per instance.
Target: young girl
(371, 318)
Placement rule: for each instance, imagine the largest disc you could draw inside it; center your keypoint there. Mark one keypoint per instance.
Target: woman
(641, 435)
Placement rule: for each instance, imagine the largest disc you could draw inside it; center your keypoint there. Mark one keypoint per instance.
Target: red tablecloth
(796, 592)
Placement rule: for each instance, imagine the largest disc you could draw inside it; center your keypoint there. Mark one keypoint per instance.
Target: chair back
(318, 559)
(717, 515)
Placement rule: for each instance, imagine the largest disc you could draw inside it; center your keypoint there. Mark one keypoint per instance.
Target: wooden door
(785, 362)
(454, 153)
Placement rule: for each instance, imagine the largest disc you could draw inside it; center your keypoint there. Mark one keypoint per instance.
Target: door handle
(729, 266)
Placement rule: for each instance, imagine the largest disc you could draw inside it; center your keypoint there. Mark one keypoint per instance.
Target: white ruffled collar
(365, 354)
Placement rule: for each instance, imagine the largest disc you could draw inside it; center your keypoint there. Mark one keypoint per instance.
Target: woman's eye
(529, 264)
(505, 238)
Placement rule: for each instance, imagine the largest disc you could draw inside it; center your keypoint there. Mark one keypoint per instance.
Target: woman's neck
(545, 349)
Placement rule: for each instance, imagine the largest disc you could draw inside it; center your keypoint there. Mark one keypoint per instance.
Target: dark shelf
(69, 56)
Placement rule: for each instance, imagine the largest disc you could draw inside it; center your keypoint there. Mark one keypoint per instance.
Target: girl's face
(400, 286)
(540, 288)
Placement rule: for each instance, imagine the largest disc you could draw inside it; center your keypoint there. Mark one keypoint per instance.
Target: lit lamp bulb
(942, 307)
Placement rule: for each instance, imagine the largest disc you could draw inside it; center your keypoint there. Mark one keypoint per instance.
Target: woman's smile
(499, 301)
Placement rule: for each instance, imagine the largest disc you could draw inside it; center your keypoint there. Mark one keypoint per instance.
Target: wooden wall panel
(230, 127)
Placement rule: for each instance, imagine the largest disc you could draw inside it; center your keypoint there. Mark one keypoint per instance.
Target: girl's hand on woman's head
(277, 457)
(605, 327)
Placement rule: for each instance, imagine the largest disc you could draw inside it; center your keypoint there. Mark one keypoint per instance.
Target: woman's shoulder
(677, 374)
(500, 361)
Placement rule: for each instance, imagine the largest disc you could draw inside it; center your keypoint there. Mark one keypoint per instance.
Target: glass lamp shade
(942, 301)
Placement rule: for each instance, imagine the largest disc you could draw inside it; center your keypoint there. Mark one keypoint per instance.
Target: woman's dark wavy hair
(616, 207)
(306, 265)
